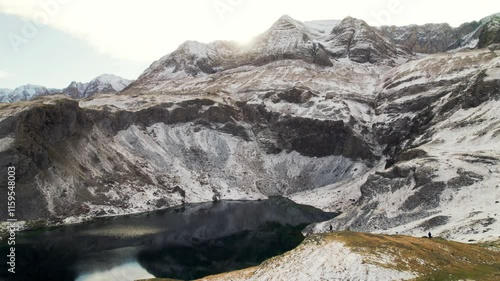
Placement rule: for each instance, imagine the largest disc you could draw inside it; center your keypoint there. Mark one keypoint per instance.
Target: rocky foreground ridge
(359, 256)
(338, 115)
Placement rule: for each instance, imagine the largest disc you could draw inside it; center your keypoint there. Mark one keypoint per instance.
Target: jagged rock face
(428, 38)
(75, 90)
(73, 161)
(485, 33)
(358, 41)
(490, 33)
(437, 38)
(287, 39)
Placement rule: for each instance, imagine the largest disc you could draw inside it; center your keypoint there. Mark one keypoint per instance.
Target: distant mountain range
(103, 84)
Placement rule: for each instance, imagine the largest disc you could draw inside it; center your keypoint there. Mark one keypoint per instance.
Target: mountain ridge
(103, 84)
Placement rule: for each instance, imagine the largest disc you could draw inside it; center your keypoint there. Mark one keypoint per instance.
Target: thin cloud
(4, 74)
(144, 31)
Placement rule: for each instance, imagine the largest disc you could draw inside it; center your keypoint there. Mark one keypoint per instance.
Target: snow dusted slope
(191, 59)
(318, 259)
(170, 153)
(438, 120)
(287, 40)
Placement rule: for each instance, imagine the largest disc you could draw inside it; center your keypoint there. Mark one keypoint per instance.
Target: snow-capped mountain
(103, 84)
(286, 39)
(335, 114)
(23, 93)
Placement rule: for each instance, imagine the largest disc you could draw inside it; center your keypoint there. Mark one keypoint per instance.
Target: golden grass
(432, 259)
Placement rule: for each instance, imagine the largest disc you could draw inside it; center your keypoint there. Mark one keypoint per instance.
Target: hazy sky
(53, 42)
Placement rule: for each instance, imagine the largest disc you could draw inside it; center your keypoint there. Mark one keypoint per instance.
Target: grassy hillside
(432, 259)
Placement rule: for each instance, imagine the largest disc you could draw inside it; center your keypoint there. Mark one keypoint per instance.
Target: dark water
(185, 242)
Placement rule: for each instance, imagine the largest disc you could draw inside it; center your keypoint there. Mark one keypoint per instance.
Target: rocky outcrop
(428, 38)
(490, 32)
(437, 38)
(356, 40)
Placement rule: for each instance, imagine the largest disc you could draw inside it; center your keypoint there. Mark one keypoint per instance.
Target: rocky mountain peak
(355, 39)
(190, 59)
(286, 22)
(194, 48)
(351, 21)
(285, 36)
